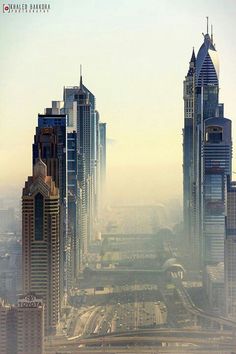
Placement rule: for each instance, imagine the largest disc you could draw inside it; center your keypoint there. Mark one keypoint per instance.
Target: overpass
(193, 309)
(155, 337)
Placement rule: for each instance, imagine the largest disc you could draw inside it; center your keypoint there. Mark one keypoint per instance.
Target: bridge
(153, 337)
(193, 309)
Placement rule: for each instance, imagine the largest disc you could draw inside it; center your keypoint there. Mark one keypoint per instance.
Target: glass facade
(51, 145)
(230, 251)
(216, 169)
(84, 101)
(205, 101)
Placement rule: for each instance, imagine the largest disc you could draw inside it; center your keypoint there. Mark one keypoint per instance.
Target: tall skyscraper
(50, 143)
(206, 102)
(200, 105)
(87, 152)
(230, 251)
(74, 205)
(188, 152)
(41, 242)
(102, 163)
(217, 154)
(67, 140)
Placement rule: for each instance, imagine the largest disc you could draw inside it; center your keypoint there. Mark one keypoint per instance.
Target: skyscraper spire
(207, 25)
(193, 57)
(192, 64)
(207, 62)
(39, 169)
(81, 79)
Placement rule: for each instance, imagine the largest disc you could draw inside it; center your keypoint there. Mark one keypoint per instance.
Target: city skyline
(106, 257)
(149, 64)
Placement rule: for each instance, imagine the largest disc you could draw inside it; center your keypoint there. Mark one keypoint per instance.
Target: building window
(38, 217)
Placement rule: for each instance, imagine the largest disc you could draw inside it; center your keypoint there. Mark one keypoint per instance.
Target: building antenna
(207, 24)
(212, 33)
(81, 81)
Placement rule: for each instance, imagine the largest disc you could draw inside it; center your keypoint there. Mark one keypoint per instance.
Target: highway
(144, 350)
(137, 319)
(195, 340)
(132, 309)
(134, 323)
(193, 309)
(133, 317)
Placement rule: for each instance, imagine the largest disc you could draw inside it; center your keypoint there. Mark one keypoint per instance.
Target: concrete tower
(41, 242)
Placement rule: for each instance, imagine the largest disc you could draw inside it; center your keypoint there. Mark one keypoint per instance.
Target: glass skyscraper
(230, 252)
(201, 98)
(85, 120)
(50, 144)
(217, 155)
(188, 151)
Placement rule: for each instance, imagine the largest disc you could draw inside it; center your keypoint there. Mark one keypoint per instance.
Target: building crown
(40, 169)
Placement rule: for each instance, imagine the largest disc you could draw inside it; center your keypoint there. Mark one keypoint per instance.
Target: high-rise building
(50, 144)
(87, 152)
(41, 242)
(102, 163)
(188, 151)
(206, 102)
(200, 105)
(230, 251)
(22, 326)
(67, 139)
(74, 205)
(217, 154)
(77, 218)
(30, 325)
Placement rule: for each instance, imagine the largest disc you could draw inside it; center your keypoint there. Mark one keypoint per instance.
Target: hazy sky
(135, 55)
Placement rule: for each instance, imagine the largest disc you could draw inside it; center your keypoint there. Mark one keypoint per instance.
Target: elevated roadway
(143, 350)
(193, 309)
(145, 344)
(216, 339)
